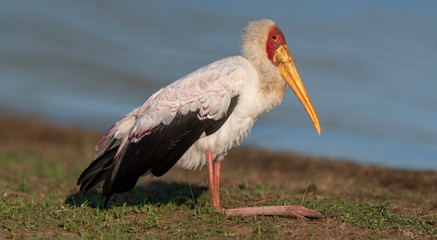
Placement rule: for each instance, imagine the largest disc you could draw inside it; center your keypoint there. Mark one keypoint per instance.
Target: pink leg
(217, 182)
(214, 199)
(212, 193)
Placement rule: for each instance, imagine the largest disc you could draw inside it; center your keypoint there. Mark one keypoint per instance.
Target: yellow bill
(282, 59)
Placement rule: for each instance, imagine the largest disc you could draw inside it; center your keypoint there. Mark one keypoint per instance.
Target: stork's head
(263, 44)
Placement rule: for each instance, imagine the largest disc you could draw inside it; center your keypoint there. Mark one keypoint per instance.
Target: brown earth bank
(331, 186)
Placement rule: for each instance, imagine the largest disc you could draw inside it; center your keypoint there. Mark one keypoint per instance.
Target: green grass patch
(373, 215)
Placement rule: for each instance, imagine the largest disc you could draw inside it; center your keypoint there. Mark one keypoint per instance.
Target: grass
(39, 199)
(30, 212)
(374, 215)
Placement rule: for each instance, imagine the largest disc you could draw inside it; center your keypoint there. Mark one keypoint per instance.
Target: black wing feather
(156, 152)
(216, 125)
(180, 146)
(96, 172)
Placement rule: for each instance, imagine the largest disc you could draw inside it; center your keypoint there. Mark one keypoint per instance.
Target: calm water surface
(370, 67)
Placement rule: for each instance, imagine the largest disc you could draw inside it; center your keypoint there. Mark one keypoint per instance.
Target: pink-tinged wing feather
(208, 90)
(118, 133)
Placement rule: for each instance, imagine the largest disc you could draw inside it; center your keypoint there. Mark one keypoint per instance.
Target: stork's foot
(287, 211)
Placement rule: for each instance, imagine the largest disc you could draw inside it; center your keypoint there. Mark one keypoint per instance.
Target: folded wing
(153, 137)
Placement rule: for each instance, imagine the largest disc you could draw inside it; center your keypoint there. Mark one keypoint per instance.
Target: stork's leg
(214, 199)
(217, 183)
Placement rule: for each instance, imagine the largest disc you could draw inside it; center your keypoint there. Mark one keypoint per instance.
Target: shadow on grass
(154, 193)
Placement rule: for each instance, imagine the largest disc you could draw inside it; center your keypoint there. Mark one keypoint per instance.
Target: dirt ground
(411, 193)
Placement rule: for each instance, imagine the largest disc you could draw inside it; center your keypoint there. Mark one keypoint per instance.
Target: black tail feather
(96, 172)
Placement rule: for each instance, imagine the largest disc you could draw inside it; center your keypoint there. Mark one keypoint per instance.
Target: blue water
(370, 68)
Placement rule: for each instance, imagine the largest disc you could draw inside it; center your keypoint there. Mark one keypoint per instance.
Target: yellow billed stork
(196, 120)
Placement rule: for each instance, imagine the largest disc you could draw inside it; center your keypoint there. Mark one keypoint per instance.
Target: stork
(197, 119)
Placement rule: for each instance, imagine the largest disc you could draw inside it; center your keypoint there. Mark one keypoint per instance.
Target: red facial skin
(275, 39)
